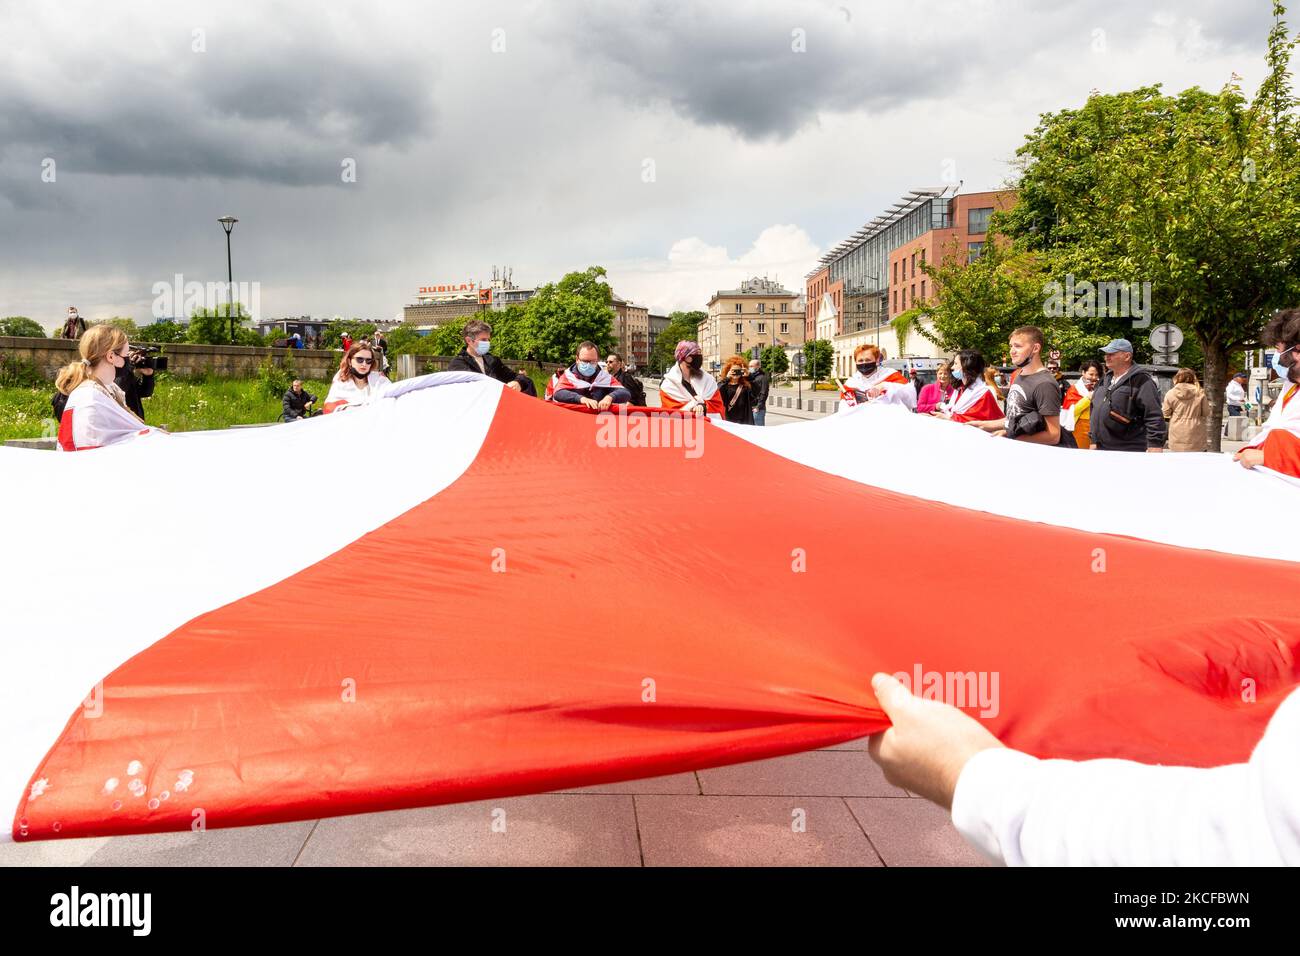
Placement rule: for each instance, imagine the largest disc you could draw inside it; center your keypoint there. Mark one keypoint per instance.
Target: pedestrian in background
(1235, 394)
(1076, 406)
(737, 399)
(761, 384)
(1187, 409)
(937, 392)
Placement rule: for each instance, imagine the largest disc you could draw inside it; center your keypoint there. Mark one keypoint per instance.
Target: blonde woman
(96, 414)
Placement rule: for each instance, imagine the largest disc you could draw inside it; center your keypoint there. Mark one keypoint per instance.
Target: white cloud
(694, 270)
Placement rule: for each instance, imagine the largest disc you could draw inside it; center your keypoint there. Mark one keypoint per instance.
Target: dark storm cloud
(278, 107)
(739, 68)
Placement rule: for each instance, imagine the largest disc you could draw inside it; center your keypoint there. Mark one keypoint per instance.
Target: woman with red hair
(358, 382)
(873, 382)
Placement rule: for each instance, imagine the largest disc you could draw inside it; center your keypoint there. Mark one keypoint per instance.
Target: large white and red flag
(434, 627)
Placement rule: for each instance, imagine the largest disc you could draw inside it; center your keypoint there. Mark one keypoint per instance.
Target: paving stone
(824, 773)
(913, 833)
(272, 845)
(750, 831)
(575, 829)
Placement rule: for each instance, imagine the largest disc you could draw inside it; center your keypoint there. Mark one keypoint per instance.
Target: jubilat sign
(464, 288)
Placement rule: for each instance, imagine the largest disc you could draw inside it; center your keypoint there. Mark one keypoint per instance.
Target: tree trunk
(1216, 373)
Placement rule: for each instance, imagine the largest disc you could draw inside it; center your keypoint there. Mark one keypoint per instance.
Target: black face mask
(696, 362)
(1025, 362)
(866, 368)
(363, 376)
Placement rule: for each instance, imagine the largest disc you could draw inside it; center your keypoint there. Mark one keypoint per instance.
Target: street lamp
(228, 223)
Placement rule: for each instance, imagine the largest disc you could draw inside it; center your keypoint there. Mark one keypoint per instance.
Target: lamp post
(228, 223)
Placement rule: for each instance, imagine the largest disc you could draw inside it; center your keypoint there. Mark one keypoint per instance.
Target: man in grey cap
(1126, 413)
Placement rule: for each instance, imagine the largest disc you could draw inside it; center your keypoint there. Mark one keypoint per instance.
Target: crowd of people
(1118, 408)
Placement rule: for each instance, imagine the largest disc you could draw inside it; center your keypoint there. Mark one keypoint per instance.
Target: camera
(142, 356)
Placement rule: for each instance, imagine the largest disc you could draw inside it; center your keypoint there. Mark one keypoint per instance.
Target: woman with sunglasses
(358, 382)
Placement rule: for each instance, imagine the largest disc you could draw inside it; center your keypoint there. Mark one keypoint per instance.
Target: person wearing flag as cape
(95, 414)
(687, 386)
(1277, 446)
(585, 382)
(873, 382)
(973, 400)
(1076, 406)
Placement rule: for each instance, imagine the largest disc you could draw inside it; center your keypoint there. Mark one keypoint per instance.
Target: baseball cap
(1117, 345)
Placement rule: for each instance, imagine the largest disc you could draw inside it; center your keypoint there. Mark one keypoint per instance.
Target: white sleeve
(1020, 810)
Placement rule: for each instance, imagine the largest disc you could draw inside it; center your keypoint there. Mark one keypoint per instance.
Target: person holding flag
(972, 400)
(1277, 446)
(873, 382)
(357, 382)
(1076, 406)
(585, 382)
(687, 386)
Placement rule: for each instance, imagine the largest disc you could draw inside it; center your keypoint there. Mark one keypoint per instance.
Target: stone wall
(222, 361)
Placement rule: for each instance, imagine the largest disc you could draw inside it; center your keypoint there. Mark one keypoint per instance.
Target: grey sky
(524, 134)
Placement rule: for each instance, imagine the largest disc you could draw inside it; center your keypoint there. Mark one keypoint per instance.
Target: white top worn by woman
(346, 394)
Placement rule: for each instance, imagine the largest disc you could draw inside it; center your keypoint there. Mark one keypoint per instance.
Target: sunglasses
(363, 361)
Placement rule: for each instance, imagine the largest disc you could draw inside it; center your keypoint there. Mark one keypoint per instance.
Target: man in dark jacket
(298, 402)
(476, 357)
(1126, 411)
(758, 387)
(136, 383)
(619, 373)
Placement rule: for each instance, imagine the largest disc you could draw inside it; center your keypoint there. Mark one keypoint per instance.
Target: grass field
(178, 404)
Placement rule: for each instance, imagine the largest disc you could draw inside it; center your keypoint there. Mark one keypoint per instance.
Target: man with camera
(135, 377)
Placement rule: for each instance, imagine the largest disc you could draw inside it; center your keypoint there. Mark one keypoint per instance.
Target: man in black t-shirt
(1034, 398)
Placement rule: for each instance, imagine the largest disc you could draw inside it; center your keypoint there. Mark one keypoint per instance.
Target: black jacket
(495, 368)
(742, 413)
(135, 387)
(759, 385)
(1136, 398)
(295, 403)
(633, 385)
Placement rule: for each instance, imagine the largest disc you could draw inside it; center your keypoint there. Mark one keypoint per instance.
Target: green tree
(818, 359)
(1197, 194)
(774, 360)
(22, 326)
(561, 315)
(163, 332)
(405, 340)
(681, 327)
(977, 304)
(127, 325)
(212, 326)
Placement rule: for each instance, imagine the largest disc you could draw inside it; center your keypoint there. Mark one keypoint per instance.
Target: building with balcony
(759, 313)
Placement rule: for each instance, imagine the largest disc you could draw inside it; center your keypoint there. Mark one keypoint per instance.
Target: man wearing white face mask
(477, 357)
(1277, 446)
(586, 383)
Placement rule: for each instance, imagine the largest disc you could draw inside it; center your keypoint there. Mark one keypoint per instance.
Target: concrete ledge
(41, 444)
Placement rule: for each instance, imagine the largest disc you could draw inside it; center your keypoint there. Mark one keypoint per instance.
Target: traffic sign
(1166, 338)
(1164, 358)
